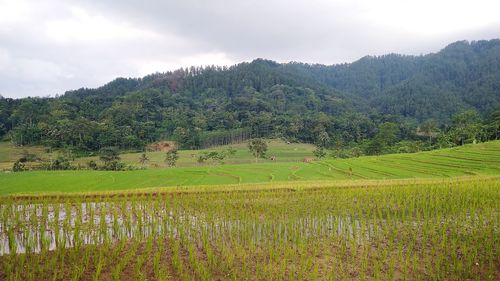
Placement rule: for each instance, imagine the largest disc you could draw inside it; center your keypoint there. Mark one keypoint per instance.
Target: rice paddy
(424, 216)
(469, 160)
(420, 230)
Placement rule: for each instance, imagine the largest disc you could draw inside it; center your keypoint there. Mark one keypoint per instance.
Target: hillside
(199, 107)
(278, 149)
(469, 160)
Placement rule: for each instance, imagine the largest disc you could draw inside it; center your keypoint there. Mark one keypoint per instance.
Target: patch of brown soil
(163, 146)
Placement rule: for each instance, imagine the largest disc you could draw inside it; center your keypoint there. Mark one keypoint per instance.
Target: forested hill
(327, 105)
(462, 75)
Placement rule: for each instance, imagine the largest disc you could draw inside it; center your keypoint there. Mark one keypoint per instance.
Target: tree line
(372, 106)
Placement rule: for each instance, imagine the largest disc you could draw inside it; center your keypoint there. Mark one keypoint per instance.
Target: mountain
(196, 106)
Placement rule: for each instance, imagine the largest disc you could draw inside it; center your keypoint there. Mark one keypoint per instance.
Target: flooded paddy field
(412, 231)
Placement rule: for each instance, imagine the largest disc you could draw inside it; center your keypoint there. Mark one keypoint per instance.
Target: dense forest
(440, 99)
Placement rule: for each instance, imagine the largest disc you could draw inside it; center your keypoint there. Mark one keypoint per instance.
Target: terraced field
(469, 160)
(282, 151)
(423, 216)
(425, 229)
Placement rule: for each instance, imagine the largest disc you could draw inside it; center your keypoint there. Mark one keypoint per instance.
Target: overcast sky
(50, 46)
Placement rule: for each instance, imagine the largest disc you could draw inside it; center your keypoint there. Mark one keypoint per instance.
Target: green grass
(293, 152)
(425, 229)
(283, 152)
(9, 153)
(469, 160)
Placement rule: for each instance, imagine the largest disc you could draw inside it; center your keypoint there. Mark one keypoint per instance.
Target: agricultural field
(469, 160)
(9, 153)
(380, 167)
(282, 151)
(389, 230)
(423, 216)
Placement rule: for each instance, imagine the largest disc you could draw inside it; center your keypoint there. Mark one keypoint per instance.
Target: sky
(51, 46)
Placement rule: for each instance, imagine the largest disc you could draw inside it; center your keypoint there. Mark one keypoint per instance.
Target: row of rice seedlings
(435, 231)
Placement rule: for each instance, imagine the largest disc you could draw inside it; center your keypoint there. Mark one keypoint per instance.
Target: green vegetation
(331, 106)
(258, 148)
(479, 159)
(238, 153)
(110, 157)
(171, 157)
(10, 153)
(446, 230)
(231, 154)
(270, 181)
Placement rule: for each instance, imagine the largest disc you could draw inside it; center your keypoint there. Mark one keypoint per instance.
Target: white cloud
(50, 46)
(80, 27)
(430, 17)
(14, 11)
(4, 58)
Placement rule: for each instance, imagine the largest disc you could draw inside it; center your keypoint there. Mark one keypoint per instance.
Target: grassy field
(469, 160)
(424, 216)
(283, 152)
(9, 153)
(446, 229)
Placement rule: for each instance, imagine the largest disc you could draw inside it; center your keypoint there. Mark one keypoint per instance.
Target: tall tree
(110, 156)
(143, 159)
(429, 128)
(258, 148)
(466, 127)
(171, 157)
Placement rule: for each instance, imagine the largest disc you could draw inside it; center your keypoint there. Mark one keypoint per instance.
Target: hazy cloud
(47, 47)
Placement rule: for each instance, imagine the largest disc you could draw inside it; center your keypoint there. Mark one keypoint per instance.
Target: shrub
(18, 166)
(171, 157)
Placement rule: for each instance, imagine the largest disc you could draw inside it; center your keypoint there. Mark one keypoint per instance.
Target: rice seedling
(410, 231)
